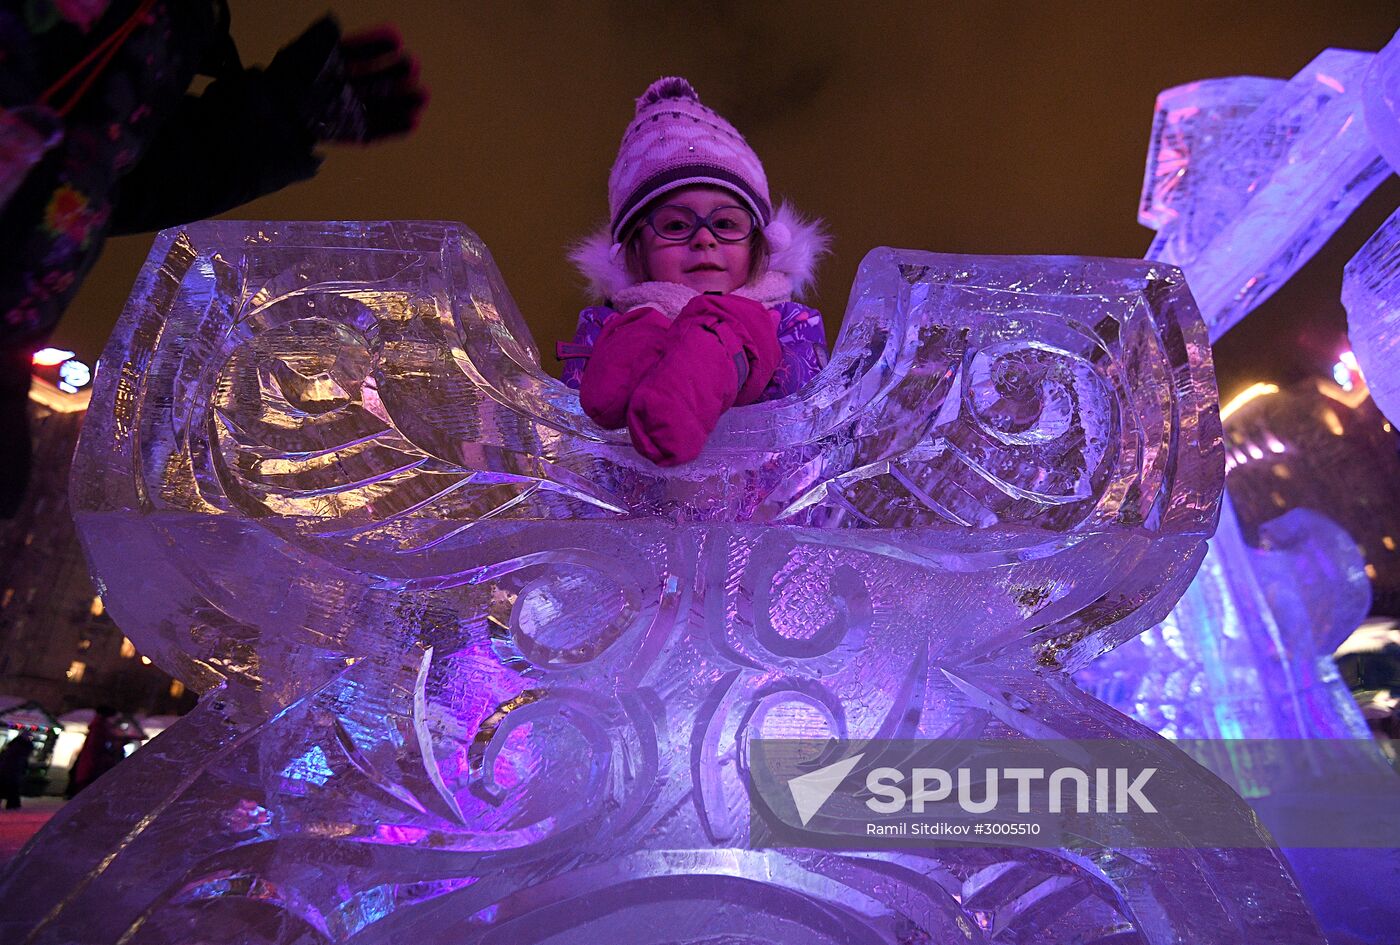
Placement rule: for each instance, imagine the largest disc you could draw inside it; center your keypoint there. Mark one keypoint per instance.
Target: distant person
(102, 749)
(14, 768)
(98, 138)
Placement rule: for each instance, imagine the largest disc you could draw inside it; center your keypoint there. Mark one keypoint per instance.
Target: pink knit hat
(673, 142)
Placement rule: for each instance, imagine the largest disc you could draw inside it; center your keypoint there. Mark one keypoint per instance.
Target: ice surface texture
(1246, 652)
(476, 672)
(1248, 177)
(1371, 287)
(1381, 97)
(1371, 294)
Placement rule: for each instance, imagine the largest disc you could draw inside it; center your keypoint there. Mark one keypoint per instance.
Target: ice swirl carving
(475, 672)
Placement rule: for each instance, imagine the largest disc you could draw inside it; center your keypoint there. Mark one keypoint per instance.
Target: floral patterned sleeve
(575, 353)
(803, 340)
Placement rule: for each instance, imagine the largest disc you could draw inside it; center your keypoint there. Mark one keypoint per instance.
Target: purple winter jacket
(800, 334)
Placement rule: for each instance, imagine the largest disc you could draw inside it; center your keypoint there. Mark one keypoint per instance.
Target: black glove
(352, 89)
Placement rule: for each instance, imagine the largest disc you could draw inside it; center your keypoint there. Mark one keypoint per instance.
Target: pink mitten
(721, 351)
(629, 345)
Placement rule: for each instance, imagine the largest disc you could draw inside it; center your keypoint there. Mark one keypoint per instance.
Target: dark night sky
(967, 128)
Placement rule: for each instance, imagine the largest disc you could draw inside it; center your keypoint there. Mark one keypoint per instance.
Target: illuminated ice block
(1245, 178)
(1247, 654)
(1371, 285)
(1371, 294)
(1248, 177)
(1247, 651)
(475, 672)
(1313, 576)
(1381, 99)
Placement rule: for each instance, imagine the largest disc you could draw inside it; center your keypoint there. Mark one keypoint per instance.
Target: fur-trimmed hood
(808, 242)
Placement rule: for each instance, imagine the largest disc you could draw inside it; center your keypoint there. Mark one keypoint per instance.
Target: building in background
(58, 646)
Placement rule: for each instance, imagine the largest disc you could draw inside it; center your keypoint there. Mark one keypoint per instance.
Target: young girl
(696, 272)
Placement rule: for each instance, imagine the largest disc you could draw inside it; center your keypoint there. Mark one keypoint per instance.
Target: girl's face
(703, 262)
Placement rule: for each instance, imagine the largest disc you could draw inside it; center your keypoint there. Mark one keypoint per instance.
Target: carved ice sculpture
(476, 672)
(1247, 654)
(1371, 287)
(1381, 101)
(1371, 294)
(1246, 179)
(1247, 651)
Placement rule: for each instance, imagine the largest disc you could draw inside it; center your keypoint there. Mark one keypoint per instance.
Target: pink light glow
(1331, 83)
(49, 357)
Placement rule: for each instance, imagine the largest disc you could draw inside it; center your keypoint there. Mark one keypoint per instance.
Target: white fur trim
(606, 273)
(808, 241)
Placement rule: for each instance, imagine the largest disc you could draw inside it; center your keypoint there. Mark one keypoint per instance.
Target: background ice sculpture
(1198, 674)
(1371, 287)
(475, 672)
(1246, 179)
(1371, 293)
(1381, 101)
